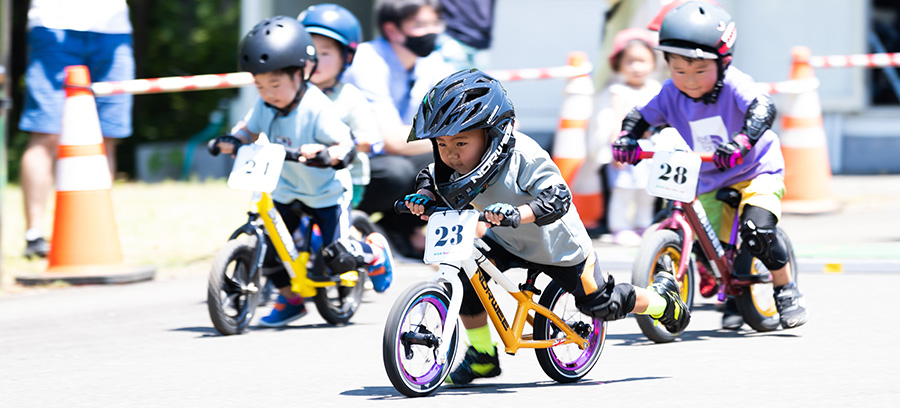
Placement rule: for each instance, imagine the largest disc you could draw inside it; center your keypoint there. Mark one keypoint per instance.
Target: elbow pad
(634, 124)
(551, 204)
(759, 118)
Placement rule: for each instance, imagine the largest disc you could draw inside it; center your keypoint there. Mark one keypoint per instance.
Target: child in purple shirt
(716, 108)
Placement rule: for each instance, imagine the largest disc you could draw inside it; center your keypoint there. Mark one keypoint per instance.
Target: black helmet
(466, 100)
(276, 43)
(697, 29)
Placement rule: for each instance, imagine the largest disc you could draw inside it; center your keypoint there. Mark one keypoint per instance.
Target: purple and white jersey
(704, 126)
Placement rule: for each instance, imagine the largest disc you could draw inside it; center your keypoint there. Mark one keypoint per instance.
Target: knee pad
(763, 243)
(613, 302)
(343, 255)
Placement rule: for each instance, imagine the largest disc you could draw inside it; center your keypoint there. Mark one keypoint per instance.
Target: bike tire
(412, 368)
(360, 220)
(337, 304)
(567, 363)
(232, 293)
(756, 303)
(650, 259)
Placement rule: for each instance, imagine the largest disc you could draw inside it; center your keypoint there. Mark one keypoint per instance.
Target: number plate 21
(674, 176)
(451, 236)
(257, 167)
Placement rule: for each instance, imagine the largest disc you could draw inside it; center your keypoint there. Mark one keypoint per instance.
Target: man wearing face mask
(394, 72)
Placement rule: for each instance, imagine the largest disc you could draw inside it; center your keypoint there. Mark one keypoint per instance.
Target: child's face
(277, 88)
(695, 78)
(636, 64)
(331, 61)
(462, 152)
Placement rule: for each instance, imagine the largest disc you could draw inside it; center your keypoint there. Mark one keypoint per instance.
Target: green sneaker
(475, 365)
(676, 316)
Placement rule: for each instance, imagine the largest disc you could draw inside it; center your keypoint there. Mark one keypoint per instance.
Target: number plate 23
(451, 236)
(257, 167)
(674, 176)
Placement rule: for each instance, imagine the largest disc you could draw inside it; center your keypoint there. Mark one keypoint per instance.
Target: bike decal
(708, 228)
(492, 300)
(283, 234)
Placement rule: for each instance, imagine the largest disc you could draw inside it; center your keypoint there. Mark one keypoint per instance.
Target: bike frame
(510, 335)
(294, 261)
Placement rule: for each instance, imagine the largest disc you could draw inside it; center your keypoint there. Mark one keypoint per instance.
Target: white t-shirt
(99, 16)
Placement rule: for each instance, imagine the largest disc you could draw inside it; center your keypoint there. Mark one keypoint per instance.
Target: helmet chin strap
(303, 80)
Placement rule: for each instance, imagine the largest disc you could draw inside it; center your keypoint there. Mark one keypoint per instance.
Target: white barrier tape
(83, 173)
(793, 86)
(856, 60)
(239, 79)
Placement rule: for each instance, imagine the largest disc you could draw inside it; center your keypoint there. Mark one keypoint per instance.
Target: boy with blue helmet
(480, 162)
(281, 56)
(717, 108)
(336, 32)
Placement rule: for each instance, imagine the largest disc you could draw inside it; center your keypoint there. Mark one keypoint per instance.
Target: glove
(626, 149)
(420, 199)
(729, 154)
(507, 211)
(322, 159)
(213, 144)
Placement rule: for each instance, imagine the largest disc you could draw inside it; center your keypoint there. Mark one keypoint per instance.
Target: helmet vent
(264, 58)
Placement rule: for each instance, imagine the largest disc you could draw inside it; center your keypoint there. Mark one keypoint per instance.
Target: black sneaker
(731, 317)
(676, 316)
(36, 248)
(475, 365)
(790, 305)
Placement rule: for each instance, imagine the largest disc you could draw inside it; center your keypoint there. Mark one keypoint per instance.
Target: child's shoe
(475, 365)
(676, 316)
(731, 317)
(790, 305)
(37, 247)
(283, 313)
(380, 270)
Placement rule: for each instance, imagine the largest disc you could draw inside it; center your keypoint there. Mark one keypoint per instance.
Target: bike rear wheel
(661, 251)
(757, 302)
(232, 291)
(567, 363)
(337, 304)
(411, 338)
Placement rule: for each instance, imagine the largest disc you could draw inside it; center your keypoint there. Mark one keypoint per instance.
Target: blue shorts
(109, 57)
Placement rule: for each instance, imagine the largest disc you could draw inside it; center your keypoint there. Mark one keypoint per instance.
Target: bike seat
(729, 196)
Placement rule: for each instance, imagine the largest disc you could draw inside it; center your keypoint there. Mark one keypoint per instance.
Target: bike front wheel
(233, 289)
(661, 252)
(337, 304)
(757, 302)
(412, 335)
(567, 363)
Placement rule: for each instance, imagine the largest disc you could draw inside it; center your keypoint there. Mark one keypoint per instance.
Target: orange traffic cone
(85, 244)
(807, 174)
(570, 143)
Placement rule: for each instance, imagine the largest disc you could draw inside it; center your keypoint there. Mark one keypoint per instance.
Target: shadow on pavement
(389, 393)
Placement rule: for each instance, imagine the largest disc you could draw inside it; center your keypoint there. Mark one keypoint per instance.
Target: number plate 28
(674, 176)
(257, 167)
(451, 236)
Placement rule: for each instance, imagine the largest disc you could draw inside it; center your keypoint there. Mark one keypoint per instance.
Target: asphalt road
(152, 345)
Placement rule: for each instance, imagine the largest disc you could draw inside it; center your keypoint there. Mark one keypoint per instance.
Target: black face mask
(422, 45)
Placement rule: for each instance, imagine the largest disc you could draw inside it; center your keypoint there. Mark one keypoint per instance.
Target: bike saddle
(729, 196)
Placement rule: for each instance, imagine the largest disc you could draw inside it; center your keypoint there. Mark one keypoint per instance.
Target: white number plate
(257, 167)
(451, 236)
(674, 176)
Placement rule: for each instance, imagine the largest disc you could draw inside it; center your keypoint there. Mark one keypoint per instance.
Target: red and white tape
(239, 79)
(793, 86)
(856, 60)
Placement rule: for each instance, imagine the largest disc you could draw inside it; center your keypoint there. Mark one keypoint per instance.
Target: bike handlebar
(401, 208)
(704, 156)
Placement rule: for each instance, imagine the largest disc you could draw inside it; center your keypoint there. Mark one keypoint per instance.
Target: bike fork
(449, 273)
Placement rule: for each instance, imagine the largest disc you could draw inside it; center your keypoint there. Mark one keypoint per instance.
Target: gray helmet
(276, 43)
(466, 100)
(697, 29)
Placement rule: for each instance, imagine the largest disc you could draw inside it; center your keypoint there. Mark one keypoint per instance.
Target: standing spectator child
(717, 108)
(94, 33)
(290, 111)
(630, 208)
